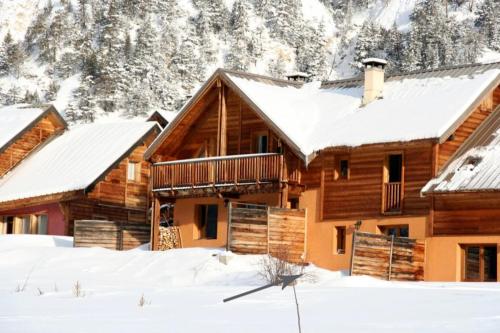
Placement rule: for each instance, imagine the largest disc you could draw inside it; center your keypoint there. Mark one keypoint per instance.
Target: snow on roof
(14, 119)
(73, 160)
(476, 166)
(315, 116)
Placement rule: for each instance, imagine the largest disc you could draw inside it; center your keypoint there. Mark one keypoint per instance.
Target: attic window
(133, 171)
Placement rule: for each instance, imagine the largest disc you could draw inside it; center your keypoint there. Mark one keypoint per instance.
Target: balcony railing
(392, 197)
(222, 171)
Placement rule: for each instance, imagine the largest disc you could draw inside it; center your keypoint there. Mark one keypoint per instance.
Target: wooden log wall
(116, 189)
(446, 150)
(360, 196)
(85, 209)
(466, 214)
(260, 230)
(19, 149)
(388, 258)
(110, 235)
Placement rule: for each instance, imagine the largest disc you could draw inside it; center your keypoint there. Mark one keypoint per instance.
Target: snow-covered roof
(476, 165)
(317, 115)
(73, 160)
(15, 119)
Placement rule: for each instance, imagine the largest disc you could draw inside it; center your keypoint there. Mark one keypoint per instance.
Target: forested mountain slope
(101, 59)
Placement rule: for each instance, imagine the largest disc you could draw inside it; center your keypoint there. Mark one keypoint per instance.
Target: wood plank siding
(466, 214)
(360, 196)
(27, 142)
(448, 148)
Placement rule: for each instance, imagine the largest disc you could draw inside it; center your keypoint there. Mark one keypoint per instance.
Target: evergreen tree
(240, 46)
(488, 21)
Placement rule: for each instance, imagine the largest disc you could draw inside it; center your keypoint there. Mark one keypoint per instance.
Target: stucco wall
(185, 217)
(321, 235)
(53, 211)
(443, 256)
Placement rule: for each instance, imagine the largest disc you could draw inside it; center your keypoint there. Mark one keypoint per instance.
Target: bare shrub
(77, 290)
(40, 292)
(278, 264)
(143, 301)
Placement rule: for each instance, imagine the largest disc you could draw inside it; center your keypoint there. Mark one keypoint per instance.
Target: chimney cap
(298, 76)
(374, 62)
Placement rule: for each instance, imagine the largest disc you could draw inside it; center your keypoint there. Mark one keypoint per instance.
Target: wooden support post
(155, 223)
(268, 213)
(223, 124)
(390, 258)
(353, 249)
(229, 216)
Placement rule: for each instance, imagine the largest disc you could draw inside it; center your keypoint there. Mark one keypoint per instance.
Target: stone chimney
(374, 79)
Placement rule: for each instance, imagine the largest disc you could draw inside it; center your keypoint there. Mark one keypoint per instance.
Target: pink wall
(55, 216)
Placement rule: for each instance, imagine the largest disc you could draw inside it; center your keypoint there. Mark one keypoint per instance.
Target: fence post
(352, 251)
(390, 257)
(267, 224)
(229, 217)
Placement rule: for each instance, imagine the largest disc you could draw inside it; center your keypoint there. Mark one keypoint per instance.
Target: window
(26, 224)
(340, 240)
(342, 168)
(396, 230)
(42, 222)
(261, 143)
(207, 221)
(133, 171)
(479, 262)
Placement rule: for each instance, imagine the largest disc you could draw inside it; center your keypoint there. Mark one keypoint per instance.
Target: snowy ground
(184, 291)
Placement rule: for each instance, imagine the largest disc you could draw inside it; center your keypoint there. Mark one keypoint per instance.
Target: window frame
(384, 229)
(137, 172)
(201, 230)
(340, 239)
(338, 167)
(256, 141)
(463, 251)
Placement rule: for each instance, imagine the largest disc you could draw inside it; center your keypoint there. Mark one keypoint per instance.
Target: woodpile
(170, 238)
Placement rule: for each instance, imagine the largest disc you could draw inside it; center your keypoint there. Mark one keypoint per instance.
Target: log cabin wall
(116, 189)
(446, 149)
(17, 151)
(201, 137)
(360, 196)
(466, 214)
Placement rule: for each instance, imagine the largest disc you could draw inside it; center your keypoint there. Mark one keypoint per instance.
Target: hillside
(100, 59)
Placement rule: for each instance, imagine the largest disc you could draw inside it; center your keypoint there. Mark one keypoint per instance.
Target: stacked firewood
(169, 238)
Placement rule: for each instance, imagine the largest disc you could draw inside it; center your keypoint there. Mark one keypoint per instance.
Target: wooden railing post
(390, 258)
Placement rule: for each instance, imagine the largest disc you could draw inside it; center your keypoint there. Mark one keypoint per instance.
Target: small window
(261, 143)
(42, 224)
(207, 221)
(342, 168)
(340, 239)
(133, 171)
(396, 230)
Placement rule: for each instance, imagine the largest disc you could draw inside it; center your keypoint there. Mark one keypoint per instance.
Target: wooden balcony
(392, 197)
(239, 173)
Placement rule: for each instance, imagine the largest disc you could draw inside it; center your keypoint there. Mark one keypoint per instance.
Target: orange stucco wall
(185, 217)
(444, 256)
(321, 235)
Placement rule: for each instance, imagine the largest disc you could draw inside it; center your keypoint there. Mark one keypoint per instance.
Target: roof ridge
(260, 76)
(354, 79)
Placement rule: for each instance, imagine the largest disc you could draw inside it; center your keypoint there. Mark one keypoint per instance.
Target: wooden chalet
(465, 224)
(23, 128)
(89, 172)
(349, 154)
(162, 117)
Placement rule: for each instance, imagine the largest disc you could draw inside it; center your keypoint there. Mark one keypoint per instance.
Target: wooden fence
(259, 229)
(387, 257)
(110, 235)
